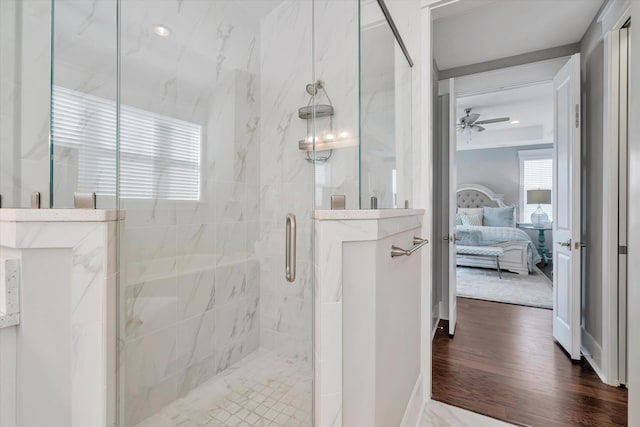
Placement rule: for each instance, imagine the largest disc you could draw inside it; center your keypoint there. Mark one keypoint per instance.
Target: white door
(566, 208)
(453, 185)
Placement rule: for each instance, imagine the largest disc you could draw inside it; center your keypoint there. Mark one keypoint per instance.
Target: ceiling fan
(470, 122)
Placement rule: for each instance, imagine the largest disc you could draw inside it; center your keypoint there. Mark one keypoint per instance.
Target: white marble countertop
(57, 215)
(360, 214)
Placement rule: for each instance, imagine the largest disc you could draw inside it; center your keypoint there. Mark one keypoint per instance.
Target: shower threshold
(263, 389)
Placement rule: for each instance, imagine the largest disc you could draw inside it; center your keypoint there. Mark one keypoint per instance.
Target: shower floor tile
(263, 389)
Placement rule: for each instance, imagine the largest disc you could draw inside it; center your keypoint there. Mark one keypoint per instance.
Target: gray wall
(592, 64)
(498, 169)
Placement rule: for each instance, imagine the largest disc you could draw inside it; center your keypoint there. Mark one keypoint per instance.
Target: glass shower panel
(83, 101)
(385, 114)
(24, 101)
(336, 66)
(210, 329)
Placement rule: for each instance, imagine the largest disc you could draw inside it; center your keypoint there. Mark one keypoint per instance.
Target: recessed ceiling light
(162, 31)
(515, 122)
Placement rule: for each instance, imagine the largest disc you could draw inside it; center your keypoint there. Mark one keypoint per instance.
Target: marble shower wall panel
(286, 179)
(191, 272)
(336, 63)
(24, 101)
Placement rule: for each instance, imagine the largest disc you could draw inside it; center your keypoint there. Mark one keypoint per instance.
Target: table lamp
(542, 197)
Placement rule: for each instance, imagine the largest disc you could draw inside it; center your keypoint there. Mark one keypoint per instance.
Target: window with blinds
(159, 156)
(536, 173)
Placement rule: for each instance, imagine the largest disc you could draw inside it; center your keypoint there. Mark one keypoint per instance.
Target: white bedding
(486, 236)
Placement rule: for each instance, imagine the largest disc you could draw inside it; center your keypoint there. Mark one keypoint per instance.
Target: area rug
(533, 290)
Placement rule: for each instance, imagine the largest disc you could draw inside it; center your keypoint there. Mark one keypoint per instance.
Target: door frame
(610, 312)
(612, 8)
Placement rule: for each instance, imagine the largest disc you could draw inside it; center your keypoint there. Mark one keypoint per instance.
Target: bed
(520, 254)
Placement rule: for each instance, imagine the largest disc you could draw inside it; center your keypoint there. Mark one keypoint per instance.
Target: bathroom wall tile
(150, 243)
(150, 306)
(195, 239)
(231, 282)
(141, 271)
(196, 212)
(230, 243)
(148, 212)
(149, 400)
(196, 374)
(196, 339)
(150, 360)
(196, 292)
(230, 201)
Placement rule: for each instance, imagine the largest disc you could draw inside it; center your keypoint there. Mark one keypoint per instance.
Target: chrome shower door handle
(290, 251)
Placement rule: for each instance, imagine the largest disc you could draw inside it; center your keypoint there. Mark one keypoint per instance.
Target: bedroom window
(536, 173)
(159, 155)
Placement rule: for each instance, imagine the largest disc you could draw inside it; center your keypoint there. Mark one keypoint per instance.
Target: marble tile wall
(24, 101)
(285, 178)
(191, 273)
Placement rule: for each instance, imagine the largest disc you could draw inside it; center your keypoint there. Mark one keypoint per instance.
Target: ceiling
(531, 105)
(473, 31)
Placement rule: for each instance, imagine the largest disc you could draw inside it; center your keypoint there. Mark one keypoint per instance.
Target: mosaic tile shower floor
(262, 390)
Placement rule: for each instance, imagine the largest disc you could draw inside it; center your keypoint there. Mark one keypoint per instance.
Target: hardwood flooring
(504, 363)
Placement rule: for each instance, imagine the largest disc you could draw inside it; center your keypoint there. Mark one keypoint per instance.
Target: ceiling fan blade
(489, 121)
(470, 119)
(479, 128)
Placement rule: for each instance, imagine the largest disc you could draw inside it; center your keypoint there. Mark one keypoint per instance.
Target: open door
(566, 208)
(453, 185)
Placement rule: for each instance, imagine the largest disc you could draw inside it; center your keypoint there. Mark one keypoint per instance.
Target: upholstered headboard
(478, 196)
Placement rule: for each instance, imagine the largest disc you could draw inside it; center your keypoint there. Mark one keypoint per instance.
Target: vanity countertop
(360, 214)
(57, 215)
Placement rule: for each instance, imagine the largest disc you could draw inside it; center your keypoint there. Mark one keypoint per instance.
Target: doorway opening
(516, 330)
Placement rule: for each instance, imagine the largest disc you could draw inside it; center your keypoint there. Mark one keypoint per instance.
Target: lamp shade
(541, 197)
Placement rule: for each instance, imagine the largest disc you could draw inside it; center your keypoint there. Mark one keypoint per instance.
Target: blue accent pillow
(471, 220)
(498, 217)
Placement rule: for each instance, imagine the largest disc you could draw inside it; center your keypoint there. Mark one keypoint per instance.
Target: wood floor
(504, 363)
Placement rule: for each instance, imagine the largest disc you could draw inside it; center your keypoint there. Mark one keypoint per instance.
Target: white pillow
(473, 211)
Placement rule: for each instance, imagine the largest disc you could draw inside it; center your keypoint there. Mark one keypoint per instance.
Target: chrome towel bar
(417, 244)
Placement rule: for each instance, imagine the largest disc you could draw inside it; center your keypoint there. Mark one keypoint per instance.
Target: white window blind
(159, 155)
(537, 174)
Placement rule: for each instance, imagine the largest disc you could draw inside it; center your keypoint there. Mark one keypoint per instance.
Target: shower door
(213, 329)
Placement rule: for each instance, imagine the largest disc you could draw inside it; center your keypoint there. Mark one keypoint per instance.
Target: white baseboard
(413, 413)
(435, 329)
(592, 351)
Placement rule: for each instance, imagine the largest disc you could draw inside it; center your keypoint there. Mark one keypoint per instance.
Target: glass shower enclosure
(183, 114)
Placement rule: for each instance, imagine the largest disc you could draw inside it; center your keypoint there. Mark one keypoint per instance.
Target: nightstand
(542, 249)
